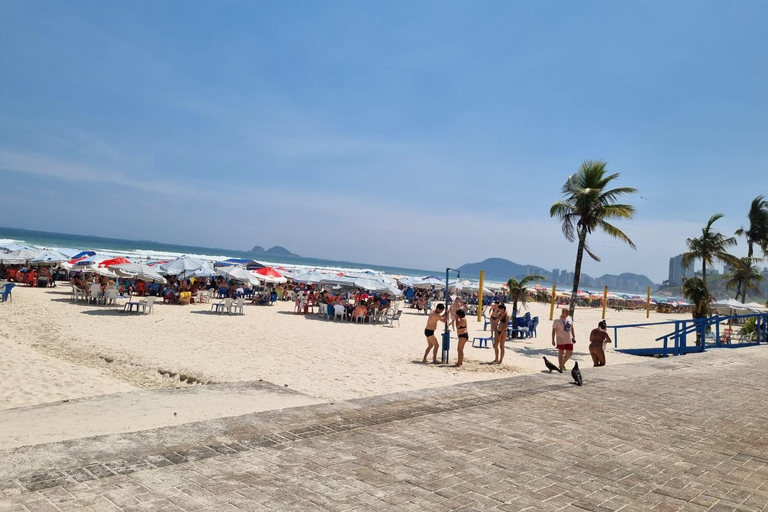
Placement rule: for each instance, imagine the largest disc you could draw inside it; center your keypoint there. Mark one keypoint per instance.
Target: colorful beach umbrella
(113, 261)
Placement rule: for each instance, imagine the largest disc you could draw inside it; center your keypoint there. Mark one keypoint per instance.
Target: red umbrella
(113, 261)
(268, 272)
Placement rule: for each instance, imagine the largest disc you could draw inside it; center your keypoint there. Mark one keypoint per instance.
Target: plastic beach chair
(5, 292)
(238, 306)
(147, 305)
(131, 304)
(391, 319)
(339, 311)
(223, 306)
(482, 342)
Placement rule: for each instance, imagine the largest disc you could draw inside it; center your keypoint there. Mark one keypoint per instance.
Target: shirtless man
(429, 332)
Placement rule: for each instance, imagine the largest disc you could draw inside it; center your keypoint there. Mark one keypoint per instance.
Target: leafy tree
(757, 232)
(710, 247)
(696, 291)
(517, 293)
(744, 277)
(587, 206)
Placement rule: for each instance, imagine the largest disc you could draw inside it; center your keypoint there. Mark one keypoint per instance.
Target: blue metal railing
(697, 327)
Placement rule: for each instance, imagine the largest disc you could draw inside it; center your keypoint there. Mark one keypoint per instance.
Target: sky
(419, 134)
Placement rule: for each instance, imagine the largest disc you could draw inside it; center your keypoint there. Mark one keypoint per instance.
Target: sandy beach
(55, 349)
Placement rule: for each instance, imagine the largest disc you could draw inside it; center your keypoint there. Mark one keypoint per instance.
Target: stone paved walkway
(687, 434)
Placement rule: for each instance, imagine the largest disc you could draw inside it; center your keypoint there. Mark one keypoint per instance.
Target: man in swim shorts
(429, 331)
(562, 331)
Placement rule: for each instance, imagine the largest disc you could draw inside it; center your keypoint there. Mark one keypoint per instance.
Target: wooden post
(605, 299)
(648, 304)
(480, 297)
(552, 302)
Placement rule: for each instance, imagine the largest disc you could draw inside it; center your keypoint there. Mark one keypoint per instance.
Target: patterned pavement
(678, 434)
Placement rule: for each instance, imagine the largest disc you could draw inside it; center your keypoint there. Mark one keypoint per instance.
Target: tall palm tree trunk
(577, 270)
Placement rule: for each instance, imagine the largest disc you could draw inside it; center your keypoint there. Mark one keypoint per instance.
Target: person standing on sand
(429, 331)
(461, 330)
(494, 314)
(562, 331)
(500, 335)
(598, 338)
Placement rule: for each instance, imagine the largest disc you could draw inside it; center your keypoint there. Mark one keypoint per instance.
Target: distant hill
(500, 269)
(641, 279)
(272, 251)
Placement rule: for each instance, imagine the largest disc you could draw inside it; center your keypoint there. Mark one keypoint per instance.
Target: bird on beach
(576, 374)
(551, 366)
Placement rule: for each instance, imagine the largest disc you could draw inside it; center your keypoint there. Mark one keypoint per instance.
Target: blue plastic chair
(487, 322)
(532, 330)
(5, 293)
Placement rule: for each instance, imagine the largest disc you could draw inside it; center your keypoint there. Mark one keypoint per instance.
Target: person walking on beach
(562, 331)
(598, 338)
(429, 331)
(500, 334)
(461, 330)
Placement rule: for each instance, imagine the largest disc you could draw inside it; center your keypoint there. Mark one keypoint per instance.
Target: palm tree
(744, 277)
(757, 233)
(587, 206)
(517, 293)
(710, 247)
(696, 291)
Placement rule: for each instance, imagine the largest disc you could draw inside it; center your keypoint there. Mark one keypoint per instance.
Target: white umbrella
(206, 270)
(309, 277)
(48, 258)
(19, 256)
(184, 265)
(726, 305)
(100, 271)
(138, 271)
(756, 306)
(238, 274)
(429, 282)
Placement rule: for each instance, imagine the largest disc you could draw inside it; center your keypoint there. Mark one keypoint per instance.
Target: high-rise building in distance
(677, 272)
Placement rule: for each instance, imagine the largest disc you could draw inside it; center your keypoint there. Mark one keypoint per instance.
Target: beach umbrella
(726, 306)
(181, 266)
(102, 271)
(138, 271)
(248, 264)
(206, 270)
(48, 258)
(309, 277)
(19, 256)
(429, 282)
(270, 275)
(113, 261)
(238, 274)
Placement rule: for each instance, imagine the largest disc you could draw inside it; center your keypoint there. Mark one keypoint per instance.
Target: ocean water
(149, 250)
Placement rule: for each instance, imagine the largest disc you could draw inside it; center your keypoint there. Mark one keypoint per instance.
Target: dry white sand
(54, 349)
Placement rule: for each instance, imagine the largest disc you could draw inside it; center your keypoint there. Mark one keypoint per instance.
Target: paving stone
(632, 443)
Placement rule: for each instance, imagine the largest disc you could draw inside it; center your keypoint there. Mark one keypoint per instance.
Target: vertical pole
(552, 302)
(480, 297)
(605, 300)
(648, 304)
(446, 332)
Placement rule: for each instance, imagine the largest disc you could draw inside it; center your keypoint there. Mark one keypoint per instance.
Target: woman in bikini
(461, 330)
(500, 334)
(494, 314)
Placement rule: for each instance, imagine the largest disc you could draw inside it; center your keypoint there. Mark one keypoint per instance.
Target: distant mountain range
(500, 269)
(272, 251)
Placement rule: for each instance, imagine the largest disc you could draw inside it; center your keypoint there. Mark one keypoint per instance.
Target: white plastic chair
(78, 293)
(391, 319)
(148, 305)
(238, 306)
(94, 292)
(110, 296)
(339, 311)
